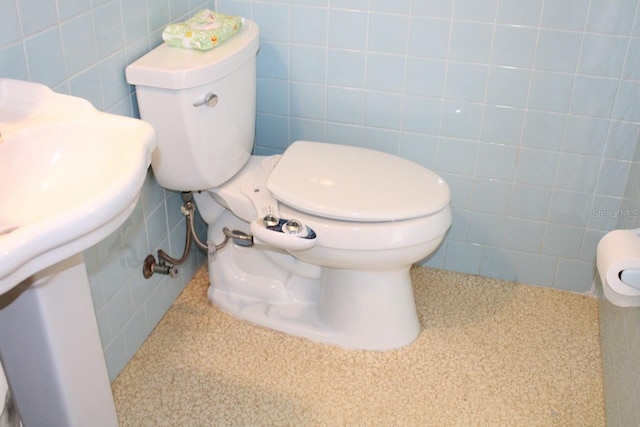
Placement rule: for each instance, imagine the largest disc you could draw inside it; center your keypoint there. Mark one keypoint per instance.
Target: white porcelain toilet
(335, 228)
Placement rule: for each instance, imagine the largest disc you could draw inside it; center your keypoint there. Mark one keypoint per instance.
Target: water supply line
(166, 264)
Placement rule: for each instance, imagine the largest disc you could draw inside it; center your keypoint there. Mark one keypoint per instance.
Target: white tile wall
(527, 108)
(82, 47)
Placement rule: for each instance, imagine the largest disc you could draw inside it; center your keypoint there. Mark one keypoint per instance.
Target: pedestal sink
(69, 176)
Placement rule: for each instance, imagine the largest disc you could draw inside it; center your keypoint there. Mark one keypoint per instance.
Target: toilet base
(369, 310)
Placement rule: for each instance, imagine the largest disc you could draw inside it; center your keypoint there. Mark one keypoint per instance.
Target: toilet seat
(247, 196)
(355, 184)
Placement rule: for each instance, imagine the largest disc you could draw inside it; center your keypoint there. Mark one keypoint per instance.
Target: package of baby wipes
(204, 31)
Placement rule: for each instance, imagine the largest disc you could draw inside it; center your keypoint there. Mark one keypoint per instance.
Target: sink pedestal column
(51, 351)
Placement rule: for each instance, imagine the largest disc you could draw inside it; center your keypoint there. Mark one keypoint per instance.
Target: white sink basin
(69, 176)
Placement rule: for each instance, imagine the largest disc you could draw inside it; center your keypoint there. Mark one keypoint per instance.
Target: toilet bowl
(352, 287)
(335, 228)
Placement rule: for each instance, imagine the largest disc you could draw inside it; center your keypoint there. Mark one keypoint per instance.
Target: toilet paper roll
(617, 251)
(618, 299)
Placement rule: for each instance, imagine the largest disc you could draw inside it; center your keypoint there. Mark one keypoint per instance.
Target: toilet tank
(199, 147)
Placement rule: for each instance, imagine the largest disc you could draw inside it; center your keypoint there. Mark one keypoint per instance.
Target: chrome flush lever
(210, 100)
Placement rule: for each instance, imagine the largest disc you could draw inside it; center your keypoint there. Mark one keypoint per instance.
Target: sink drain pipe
(166, 264)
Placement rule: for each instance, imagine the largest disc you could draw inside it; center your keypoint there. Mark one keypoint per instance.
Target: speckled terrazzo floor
(491, 353)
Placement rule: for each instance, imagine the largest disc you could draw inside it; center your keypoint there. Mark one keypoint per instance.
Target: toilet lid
(357, 184)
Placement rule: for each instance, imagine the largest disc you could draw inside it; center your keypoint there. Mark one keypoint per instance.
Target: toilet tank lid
(176, 68)
(355, 184)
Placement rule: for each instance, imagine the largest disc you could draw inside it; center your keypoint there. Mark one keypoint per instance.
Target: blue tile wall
(81, 47)
(527, 108)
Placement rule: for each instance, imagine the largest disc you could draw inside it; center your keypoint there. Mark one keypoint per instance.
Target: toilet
(335, 228)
